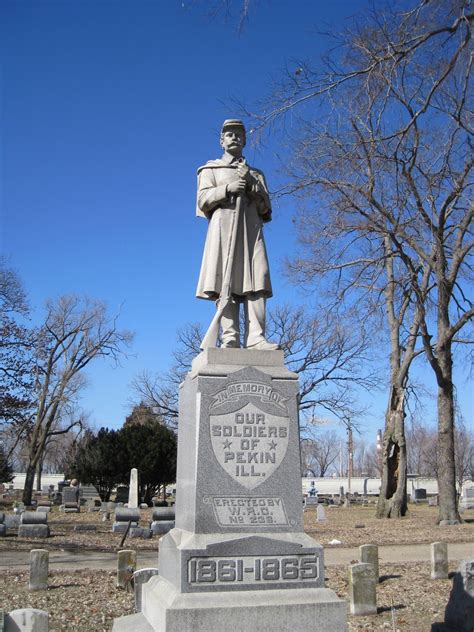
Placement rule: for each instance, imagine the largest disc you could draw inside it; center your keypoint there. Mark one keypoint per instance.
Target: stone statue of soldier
(235, 271)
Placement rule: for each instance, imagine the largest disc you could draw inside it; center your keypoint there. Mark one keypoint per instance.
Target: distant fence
(46, 479)
(329, 485)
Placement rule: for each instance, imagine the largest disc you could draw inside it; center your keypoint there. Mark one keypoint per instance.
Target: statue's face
(233, 141)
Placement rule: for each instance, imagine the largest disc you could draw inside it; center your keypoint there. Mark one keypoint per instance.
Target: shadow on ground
(396, 606)
(384, 578)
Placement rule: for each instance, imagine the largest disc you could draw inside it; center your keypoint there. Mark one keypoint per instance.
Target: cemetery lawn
(88, 601)
(358, 525)
(352, 526)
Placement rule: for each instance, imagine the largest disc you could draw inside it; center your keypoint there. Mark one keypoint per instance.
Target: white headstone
(133, 490)
(320, 514)
(27, 620)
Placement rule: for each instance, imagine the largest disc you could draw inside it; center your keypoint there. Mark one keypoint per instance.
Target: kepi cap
(232, 123)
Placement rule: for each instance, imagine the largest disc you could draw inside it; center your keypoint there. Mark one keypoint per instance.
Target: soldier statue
(234, 198)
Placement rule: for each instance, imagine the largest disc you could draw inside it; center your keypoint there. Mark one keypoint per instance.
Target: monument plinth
(238, 556)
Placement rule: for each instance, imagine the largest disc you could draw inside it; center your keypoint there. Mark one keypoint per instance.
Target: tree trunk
(392, 501)
(446, 456)
(29, 483)
(39, 472)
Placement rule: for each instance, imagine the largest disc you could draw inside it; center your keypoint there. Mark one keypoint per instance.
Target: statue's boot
(230, 325)
(255, 323)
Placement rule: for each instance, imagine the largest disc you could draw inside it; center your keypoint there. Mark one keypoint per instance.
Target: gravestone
(33, 524)
(139, 578)
(140, 532)
(238, 556)
(362, 589)
(124, 516)
(126, 566)
(70, 500)
(320, 514)
(369, 554)
(88, 492)
(121, 495)
(311, 501)
(92, 506)
(163, 520)
(467, 497)
(439, 560)
(85, 527)
(39, 566)
(12, 521)
(27, 620)
(419, 494)
(133, 489)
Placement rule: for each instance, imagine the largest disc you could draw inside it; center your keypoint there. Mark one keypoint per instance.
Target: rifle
(210, 339)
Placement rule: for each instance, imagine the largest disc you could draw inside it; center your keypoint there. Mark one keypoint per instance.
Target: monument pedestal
(238, 556)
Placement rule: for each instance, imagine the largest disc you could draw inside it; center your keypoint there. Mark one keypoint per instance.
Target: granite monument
(238, 556)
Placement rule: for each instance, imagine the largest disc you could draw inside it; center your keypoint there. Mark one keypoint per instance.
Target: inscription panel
(245, 511)
(252, 570)
(249, 443)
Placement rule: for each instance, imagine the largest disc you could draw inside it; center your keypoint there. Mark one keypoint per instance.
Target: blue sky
(108, 108)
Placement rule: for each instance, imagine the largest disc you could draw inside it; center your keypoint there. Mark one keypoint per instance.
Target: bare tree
(75, 332)
(421, 441)
(60, 444)
(16, 360)
(365, 459)
(159, 392)
(464, 451)
(389, 156)
(329, 353)
(320, 452)
(424, 454)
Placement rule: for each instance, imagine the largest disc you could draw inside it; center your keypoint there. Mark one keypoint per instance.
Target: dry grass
(87, 601)
(418, 527)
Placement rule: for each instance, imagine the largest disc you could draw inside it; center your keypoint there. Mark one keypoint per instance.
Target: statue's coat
(250, 270)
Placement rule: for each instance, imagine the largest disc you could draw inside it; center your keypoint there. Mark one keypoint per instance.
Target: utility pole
(379, 452)
(350, 450)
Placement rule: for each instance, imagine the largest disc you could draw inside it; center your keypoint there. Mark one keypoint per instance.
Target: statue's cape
(222, 164)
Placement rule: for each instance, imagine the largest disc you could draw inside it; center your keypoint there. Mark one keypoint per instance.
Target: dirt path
(107, 560)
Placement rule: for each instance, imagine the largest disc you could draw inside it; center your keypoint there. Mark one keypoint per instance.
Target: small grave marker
(126, 566)
(139, 578)
(362, 590)
(369, 554)
(439, 560)
(39, 566)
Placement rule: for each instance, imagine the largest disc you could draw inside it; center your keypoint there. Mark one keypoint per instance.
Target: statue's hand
(237, 187)
(243, 171)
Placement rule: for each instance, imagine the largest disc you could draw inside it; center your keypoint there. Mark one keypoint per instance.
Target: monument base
(238, 557)
(188, 561)
(165, 609)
